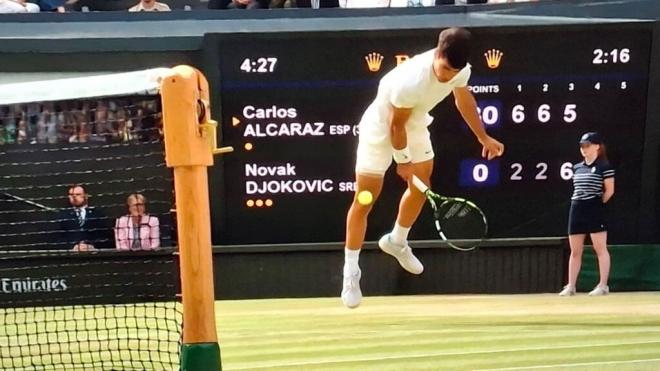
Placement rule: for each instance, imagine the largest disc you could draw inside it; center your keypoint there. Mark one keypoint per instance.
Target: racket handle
(421, 186)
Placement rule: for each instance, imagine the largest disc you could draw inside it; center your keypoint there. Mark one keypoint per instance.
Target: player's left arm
(467, 106)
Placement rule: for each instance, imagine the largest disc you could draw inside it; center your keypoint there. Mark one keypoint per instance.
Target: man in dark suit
(317, 4)
(82, 227)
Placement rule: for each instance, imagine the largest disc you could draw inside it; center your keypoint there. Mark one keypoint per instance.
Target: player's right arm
(467, 106)
(399, 141)
(398, 122)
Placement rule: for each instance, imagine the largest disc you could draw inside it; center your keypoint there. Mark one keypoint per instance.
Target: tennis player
(394, 126)
(593, 186)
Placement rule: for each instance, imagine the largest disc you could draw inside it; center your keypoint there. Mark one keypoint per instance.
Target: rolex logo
(374, 61)
(493, 58)
(400, 58)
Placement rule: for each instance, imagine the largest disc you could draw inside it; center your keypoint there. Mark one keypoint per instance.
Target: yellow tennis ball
(365, 198)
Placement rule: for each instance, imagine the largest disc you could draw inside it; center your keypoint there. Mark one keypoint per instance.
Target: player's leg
(577, 232)
(356, 220)
(411, 203)
(576, 241)
(371, 164)
(599, 240)
(395, 243)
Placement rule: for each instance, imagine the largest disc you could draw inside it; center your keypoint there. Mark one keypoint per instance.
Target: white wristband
(402, 156)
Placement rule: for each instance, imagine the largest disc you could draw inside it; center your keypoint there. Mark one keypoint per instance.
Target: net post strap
(200, 357)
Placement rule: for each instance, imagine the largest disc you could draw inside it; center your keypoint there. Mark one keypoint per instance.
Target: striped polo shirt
(588, 179)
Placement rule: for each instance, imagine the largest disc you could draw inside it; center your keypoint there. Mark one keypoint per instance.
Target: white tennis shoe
(351, 295)
(567, 291)
(402, 253)
(600, 291)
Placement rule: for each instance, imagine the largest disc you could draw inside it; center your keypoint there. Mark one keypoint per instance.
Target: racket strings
(454, 209)
(460, 220)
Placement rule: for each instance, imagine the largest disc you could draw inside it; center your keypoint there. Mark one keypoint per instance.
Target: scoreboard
(291, 104)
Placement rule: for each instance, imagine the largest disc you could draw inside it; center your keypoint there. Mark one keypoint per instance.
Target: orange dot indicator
(248, 146)
(249, 203)
(259, 203)
(269, 202)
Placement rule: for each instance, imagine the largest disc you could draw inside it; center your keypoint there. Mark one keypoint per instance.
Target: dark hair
(76, 185)
(454, 45)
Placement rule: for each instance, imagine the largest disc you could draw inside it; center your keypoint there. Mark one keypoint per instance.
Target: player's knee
(361, 208)
(576, 252)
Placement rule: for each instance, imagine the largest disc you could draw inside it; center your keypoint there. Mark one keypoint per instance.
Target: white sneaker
(567, 291)
(402, 253)
(600, 290)
(351, 295)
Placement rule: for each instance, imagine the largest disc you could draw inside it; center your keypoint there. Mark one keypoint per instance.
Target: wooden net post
(189, 147)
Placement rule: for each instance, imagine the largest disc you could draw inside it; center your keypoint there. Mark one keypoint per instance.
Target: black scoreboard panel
(291, 105)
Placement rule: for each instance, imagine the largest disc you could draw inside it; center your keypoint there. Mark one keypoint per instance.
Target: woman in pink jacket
(137, 230)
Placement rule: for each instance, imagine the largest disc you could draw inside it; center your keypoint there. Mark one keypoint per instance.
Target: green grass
(443, 332)
(473, 332)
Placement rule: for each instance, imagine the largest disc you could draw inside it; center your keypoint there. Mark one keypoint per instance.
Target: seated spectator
(52, 5)
(47, 125)
(411, 3)
(508, 1)
(82, 227)
(364, 3)
(316, 3)
(137, 230)
(245, 4)
(149, 6)
(17, 6)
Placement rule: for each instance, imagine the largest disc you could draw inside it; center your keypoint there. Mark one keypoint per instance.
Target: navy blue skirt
(587, 216)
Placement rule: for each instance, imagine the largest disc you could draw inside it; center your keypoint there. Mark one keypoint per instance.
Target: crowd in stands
(42, 138)
(130, 119)
(35, 6)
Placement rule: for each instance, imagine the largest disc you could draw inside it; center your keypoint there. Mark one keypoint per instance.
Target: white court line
(572, 365)
(438, 354)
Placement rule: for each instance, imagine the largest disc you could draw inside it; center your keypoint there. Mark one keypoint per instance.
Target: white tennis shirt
(412, 84)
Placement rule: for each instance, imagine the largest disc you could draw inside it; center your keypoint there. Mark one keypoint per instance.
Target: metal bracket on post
(209, 129)
(209, 132)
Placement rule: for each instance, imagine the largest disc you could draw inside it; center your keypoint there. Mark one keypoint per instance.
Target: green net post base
(200, 357)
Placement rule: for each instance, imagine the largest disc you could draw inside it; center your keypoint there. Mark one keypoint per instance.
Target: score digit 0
(489, 115)
(480, 173)
(489, 112)
(477, 172)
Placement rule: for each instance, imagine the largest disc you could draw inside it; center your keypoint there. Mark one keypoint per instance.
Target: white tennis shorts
(375, 157)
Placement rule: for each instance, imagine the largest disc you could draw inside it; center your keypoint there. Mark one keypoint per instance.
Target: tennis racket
(459, 222)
